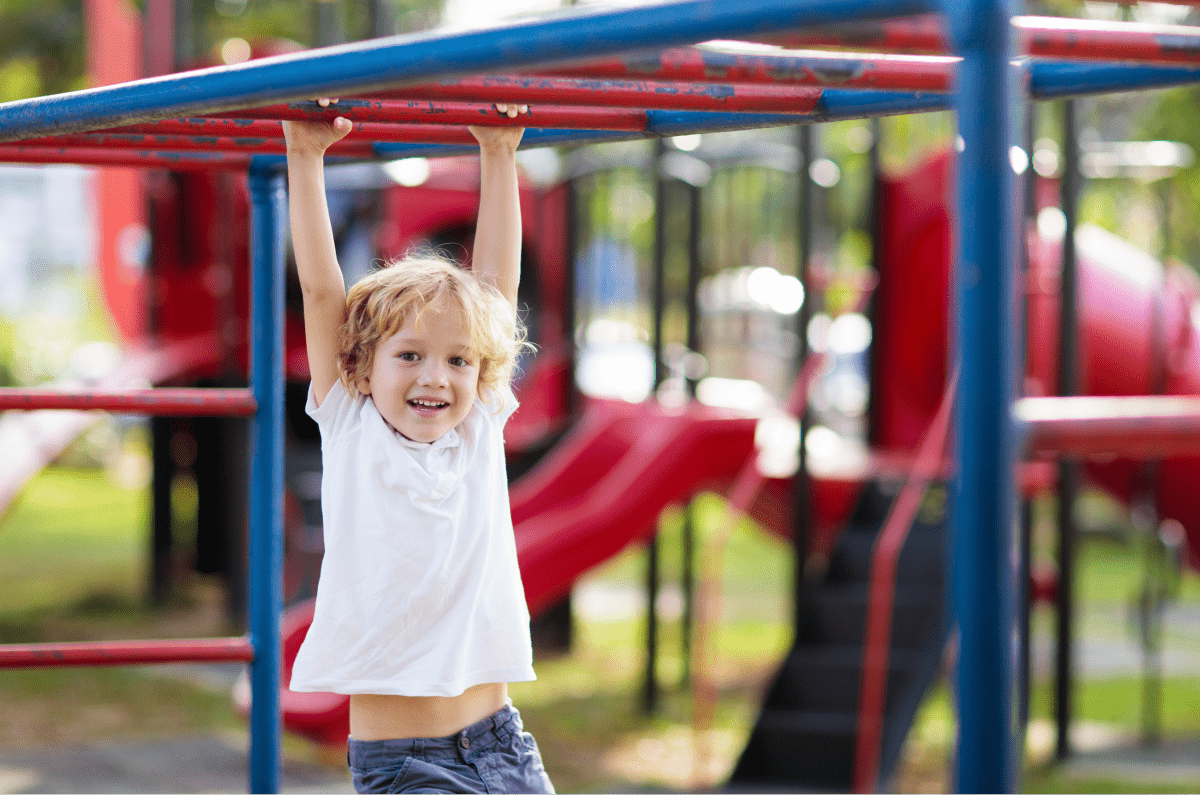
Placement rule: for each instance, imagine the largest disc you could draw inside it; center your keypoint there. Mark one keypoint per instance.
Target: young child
(420, 615)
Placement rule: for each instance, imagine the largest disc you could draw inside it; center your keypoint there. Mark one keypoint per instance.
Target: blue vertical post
(984, 326)
(266, 474)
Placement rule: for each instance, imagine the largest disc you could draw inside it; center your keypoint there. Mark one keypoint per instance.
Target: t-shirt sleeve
(337, 412)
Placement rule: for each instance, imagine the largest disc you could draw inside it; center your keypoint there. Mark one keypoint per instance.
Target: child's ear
(363, 385)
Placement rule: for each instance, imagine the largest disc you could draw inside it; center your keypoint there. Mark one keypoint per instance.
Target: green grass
(69, 537)
(1118, 702)
(73, 567)
(71, 705)
(72, 564)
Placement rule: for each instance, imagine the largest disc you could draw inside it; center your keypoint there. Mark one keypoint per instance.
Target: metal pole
(266, 475)
(328, 22)
(878, 263)
(802, 491)
(570, 298)
(382, 20)
(1068, 469)
(695, 268)
(983, 496)
(1025, 548)
(162, 536)
(650, 689)
(1038, 36)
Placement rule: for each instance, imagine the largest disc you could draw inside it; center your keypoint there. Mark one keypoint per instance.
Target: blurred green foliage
(1176, 117)
(43, 47)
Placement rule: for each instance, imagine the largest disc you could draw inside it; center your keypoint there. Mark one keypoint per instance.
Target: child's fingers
(511, 111)
(325, 102)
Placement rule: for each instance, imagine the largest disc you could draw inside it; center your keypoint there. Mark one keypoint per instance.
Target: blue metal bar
(1056, 79)
(983, 499)
(406, 60)
(835, 104)
(266, 475)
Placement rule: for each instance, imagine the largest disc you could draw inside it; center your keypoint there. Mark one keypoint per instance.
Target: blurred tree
(41, 47)
(1176, 117)
(42, 41)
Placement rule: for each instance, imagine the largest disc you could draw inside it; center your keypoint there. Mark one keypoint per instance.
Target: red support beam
(116, 142)
(257, 131)
(247, 137)
(1109, 41)
(921, 34)
(126, 652)
(161, 402)
(458, 113)
(1131, 427)
(693, 78)
(1048, 37)
(885, 554)
(88, 156)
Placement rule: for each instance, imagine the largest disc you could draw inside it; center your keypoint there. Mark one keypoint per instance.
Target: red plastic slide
(605, 486)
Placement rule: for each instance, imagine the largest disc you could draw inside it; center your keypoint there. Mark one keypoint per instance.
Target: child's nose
(434, 372)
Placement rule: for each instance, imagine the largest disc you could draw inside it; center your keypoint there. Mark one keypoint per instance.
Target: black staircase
(805, 735)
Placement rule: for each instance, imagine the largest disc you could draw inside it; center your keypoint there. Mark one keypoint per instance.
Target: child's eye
(459, 361)
(408, 356)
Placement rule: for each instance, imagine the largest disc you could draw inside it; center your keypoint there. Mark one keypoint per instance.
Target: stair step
(790, 748)
(836, 614)
(828, 679)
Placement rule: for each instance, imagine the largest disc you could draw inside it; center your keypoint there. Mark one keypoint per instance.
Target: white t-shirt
(420, 594)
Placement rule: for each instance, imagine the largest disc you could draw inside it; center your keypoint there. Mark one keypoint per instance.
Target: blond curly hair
(381, 302)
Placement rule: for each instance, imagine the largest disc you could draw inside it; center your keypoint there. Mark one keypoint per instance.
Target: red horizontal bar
(1052, 37)
(247, 137)
(160, 402)
(1129, 427)
(1109, 41)
(813, 68)
(682, 80)
(922, 34)
(408, 120)
(84, 156)
(126, 652)
(450, 113)
(116, 141)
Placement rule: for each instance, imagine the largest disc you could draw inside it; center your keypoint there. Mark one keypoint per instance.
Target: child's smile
(424, 378)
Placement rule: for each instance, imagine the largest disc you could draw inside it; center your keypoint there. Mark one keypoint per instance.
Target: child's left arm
(497, 254)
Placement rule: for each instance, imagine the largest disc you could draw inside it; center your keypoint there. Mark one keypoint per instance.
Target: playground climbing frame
(590, 88)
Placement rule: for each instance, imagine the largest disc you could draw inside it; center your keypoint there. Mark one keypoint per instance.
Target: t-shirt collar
(444, 442)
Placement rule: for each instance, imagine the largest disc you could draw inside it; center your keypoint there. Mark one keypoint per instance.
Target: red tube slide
(1138, 323)
(1138, 336)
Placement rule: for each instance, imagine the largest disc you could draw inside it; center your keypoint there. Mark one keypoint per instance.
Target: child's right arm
(312, 240)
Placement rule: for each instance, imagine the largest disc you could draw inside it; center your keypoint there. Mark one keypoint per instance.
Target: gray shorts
(493, 755)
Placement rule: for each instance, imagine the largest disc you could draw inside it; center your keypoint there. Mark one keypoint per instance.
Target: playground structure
(227, 108)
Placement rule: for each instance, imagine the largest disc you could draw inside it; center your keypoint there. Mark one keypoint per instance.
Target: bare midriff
(379, 717)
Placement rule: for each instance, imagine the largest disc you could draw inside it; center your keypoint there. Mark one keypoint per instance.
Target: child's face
(424, 379)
